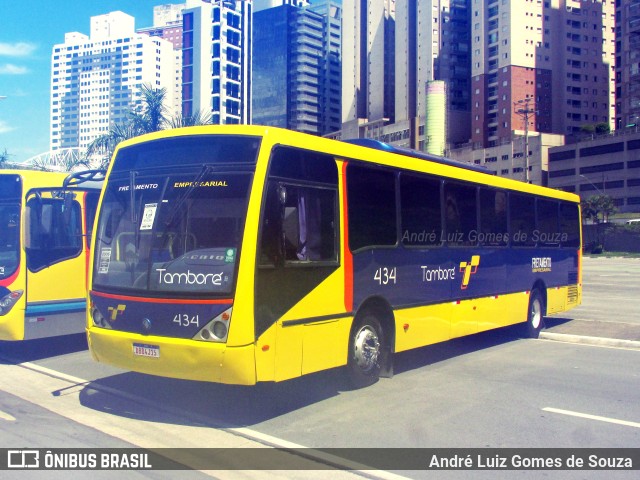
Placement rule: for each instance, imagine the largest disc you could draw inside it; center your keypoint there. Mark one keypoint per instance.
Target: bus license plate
(142, 350)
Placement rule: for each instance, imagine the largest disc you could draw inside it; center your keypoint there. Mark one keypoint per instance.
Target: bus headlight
(98, 319)
(9, 300)
(217, 329)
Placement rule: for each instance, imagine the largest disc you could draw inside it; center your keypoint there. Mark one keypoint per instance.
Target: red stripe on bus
(221, 301)
(9, 280)
(348, 258)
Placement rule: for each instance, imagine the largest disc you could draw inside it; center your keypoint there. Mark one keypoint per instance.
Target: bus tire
(366, 346)
(535, 315)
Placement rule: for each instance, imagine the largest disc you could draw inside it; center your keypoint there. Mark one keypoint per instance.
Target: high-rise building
(549, 62)
(259, 5)
(167, 24)
(96, 79)
(391, 50)
(331, 76)
(432, 43)
(296, 67)
(216, 59)
(628, 63)
(367, 66)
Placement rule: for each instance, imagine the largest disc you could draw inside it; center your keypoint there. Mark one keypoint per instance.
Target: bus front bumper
(173, 357)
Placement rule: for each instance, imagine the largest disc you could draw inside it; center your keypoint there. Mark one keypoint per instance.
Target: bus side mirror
(33, 222)
(67, 205)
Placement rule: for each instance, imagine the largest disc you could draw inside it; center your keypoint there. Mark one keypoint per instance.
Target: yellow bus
(244, 254)
(44, 251)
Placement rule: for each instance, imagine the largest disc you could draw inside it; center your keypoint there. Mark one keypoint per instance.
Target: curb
(586, 340)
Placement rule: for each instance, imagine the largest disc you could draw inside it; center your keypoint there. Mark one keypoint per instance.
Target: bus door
(11, 272)
(56, 267)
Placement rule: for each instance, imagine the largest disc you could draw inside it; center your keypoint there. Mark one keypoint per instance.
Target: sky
(28, 31)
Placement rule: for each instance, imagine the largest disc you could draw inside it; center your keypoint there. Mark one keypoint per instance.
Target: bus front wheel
(535, 315)
(366, 344)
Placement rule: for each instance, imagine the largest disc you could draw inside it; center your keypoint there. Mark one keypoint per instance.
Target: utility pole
(524, 111)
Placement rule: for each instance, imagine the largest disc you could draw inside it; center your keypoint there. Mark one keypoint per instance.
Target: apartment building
(555, 56)
(167, 24)
(627, 63)
(216, 59)
(96, 78)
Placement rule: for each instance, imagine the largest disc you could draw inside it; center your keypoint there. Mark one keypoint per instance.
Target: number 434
(186, 320)
(385, 276)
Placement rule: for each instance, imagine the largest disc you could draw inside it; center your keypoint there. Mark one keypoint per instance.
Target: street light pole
(593, 184)
(522, 109)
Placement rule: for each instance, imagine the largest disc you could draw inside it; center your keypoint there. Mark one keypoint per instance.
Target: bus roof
(445, 166)
(407, 152)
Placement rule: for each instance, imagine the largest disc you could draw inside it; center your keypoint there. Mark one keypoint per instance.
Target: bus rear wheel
(535, 315)
(366, 344)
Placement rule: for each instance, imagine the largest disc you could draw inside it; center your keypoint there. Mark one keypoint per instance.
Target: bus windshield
(10, 193)
(171, 232)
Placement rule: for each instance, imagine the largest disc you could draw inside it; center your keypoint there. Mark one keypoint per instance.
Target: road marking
(592, 417)
(7, 417)
(191, 430)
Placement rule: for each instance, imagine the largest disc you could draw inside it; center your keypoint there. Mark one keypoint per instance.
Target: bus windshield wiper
(132, 193)
(183, 198)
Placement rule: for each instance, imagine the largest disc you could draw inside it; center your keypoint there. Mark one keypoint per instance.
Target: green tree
(196, 118)
(602, 127)
(588, 129)
(597, 208)
(104, 145)
(151, 115)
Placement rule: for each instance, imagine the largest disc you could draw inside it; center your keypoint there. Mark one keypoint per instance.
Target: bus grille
(572, 294)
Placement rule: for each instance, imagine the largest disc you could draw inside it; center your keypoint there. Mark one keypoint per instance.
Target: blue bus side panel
(413, 277)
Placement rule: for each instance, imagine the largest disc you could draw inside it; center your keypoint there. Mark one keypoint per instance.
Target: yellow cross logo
(116, 311)
(468, 269)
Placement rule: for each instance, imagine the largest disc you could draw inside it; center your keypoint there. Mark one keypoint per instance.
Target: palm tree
(149, 116)
(104, 145)
(4, 159)
(196, 118)
(597, 205)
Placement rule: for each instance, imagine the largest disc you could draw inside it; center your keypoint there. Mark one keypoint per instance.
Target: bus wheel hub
(366, 348)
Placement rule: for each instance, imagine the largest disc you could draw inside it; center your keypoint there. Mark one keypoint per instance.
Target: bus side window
(461, 214)
(298, 225)
(420, 211)
(53, 234)
(270, 239)
(300, 213)
(309, 224)
(493, 217)
(522, 220)
(569, 225)
(547, 219)
(372, 212)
